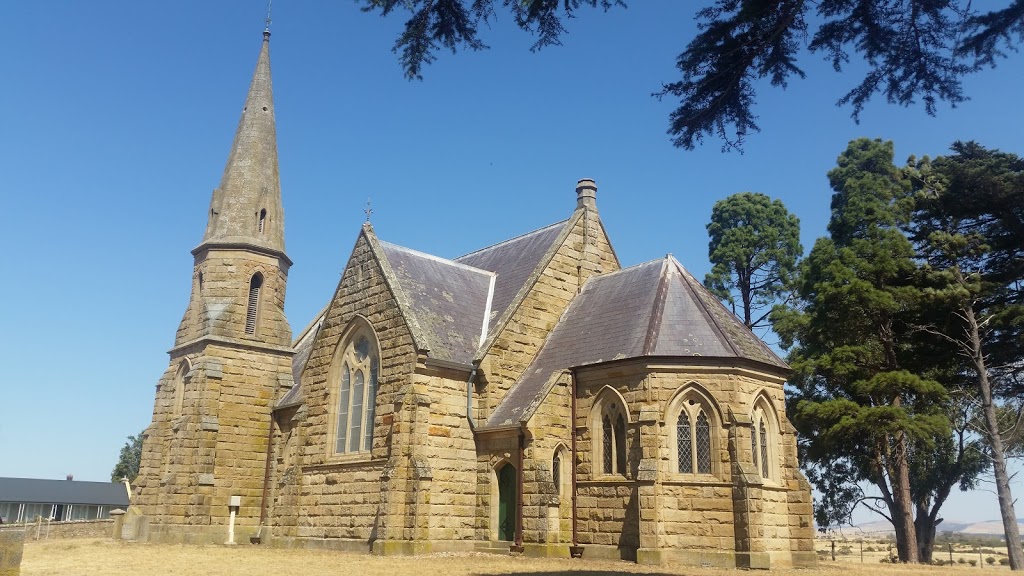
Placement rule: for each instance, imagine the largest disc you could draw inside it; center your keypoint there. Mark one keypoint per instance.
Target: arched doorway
(507, 502)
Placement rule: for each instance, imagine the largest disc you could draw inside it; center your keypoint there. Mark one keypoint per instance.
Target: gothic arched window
(763, 433)
(684, 443)
(762, 439)
(179, 385)
(357, 393)
(695, 435)
(556, 473)
(612, 444)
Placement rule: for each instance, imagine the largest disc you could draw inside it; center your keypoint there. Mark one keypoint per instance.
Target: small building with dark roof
(531, 395)
(25, 499)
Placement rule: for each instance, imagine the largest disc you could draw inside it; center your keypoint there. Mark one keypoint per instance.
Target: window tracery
(357, 393)
(694, 433)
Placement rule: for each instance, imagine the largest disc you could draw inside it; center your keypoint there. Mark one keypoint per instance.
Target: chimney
(586, 194)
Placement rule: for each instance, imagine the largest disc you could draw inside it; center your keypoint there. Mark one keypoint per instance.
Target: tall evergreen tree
(913, 51)
(754, 248)
(858, 405)
(969, 226)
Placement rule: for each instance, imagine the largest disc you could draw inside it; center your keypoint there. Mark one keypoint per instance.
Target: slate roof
(652, 309)
(448, 300)
(513, 262)
(303, 346)
(34, 490)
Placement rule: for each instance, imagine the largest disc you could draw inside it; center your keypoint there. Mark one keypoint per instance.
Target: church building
(532, 396)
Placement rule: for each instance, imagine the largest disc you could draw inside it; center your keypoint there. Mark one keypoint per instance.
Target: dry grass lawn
(109, 557)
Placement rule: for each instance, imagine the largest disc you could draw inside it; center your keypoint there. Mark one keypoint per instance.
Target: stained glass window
(606, 443)
(357, 396)
(357, 413)
(753, 444)
(371, 405)
(362, 348)
(620, 445)
(764, 449)
(556, 473)
(684, 443)
(346, 378)
(703, 441)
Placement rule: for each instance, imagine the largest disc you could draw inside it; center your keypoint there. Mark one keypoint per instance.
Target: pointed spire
(246, 207)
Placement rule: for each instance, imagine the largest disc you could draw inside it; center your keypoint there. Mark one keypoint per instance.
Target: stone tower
(232, 355)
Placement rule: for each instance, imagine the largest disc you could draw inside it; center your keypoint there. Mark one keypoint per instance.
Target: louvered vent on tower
(254, 303)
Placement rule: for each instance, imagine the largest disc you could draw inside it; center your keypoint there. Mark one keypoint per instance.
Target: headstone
(118, 515)
(12, 543)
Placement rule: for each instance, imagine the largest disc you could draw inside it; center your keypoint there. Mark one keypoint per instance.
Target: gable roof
(513, 262)
(37, 491)
(450, 306)
(652, 309)
(449, 301)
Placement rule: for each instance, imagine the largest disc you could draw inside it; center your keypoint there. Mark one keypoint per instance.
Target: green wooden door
(506, 502)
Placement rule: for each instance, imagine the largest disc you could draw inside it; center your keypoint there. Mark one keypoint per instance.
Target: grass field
(109, 557)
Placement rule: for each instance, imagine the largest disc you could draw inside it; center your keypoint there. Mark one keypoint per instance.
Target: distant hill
(986, 528)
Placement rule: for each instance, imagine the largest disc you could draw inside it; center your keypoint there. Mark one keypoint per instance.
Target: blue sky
(116, 119)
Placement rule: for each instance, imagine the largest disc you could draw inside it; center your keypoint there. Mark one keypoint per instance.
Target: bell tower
(232, 353)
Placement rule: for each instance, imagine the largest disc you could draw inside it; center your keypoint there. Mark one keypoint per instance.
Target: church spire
(246, 207)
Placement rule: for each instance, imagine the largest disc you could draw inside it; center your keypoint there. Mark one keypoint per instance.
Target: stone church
(530, 396)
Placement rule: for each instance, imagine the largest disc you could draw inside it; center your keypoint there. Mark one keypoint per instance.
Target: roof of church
(303, 346)
(652, 309)
(250, 182)
(448, 300)
(513, 262)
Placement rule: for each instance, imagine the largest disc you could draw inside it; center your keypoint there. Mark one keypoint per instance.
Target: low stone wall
(44, 530)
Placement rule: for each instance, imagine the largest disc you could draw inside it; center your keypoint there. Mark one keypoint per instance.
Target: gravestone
(12, 543)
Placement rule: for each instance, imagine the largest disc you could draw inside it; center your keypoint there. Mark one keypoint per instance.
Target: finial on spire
(266, 31)
(368, 211)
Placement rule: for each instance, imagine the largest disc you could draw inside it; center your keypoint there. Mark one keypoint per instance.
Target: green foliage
(754, 248)
(990, 560)
(914, 51)
(128, 462)
(969, 227)
(867, 396)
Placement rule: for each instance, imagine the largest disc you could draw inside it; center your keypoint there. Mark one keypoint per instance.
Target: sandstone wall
(219, 302)
(584, 251)
(493, 451)
(450, 451)
(696, 516)
(547, 506)
(215, 447)
(319, 493)
(693, 515)
(43, 530)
